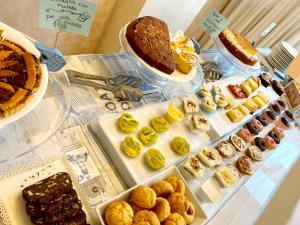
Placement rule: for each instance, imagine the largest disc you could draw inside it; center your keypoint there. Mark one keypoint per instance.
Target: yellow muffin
(144, 196)
(175, 219)
(162, 209)
(178, 184)
(163, 188)
(146, 217)
(119, 213)
(178, 203)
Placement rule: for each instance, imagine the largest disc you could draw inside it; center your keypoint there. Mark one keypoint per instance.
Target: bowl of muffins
(164, 199)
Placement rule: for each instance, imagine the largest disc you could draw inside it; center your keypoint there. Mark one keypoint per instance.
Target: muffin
(177, 184)
(146, 217)
(144, 196)
(119, 211)
(178, 203)
(163, 188)
(162, 209)
(175, 219)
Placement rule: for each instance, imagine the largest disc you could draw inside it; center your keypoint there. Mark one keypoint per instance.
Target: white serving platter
(200, 216)
(20, 39)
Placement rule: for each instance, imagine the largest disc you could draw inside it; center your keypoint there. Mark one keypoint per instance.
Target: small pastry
(245, 134)
(253, 83)
(144, 196)
(265, 79)
(270, 115)
(162, 188)
(258, 101)
(190, 105)
(245, 111)
(220, 101)
(258, 124)
(259, 142)
(148, 136)
(180, 145)
(228, 176)
(288, 115)
(277, 87)
(208, 104)
(236, 91)
(131, 146)
(162, 209)
(155, 159)
(177, 184)
(160, 124)
(283, 123)
(234, 115)
(275, 108)
(245, 165)
(250, 104)
(238, 142)
(204, 91)
(279, 132)
(127, 123)
(271, 144)
(216, 90)
(210, 157)
(246, 89)
(119, 211)
(263, 96)
(252, 128)
(175, 219)
(178, 203)
(275, 137)
(254, 153)
(189, 213)
(231, 103)
(194, 166)
(174, 114)
(199, 122)
(226, 149)
(145, 217)
(281, 103)
(262, 120)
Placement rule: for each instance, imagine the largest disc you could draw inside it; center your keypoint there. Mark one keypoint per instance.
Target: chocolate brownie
(149, 38)
(46, 190)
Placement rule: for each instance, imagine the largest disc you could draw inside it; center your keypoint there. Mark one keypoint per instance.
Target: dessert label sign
(69, 15)
(214, 23)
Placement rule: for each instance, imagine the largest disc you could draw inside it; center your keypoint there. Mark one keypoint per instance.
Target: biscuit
(162, 209)
(175, 219)
(178, 185)
(189, 214)
(163, 188)
(146, 217)
(178, 203)
(119, 212)
(144, 197)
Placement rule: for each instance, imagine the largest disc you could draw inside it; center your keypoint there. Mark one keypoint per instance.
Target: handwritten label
(268, 29)
(214, 23)
(69, 15)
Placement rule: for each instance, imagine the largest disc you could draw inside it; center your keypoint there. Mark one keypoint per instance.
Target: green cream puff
(160, 124)
(127, 123)
(131, 146)
(155, 159)
(148, 136)
(180, 145)
(174, 114)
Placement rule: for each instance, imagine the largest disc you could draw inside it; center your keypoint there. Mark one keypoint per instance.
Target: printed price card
(214, 23)
(69, 15)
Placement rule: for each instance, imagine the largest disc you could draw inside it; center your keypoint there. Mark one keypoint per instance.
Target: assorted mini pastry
(190, 105)
(235, 115)
(270, 143)
(275, 137)
(262, 120)
(288, 115)
(154, 159)
(260, 142)
(236, 91)
(174, 114)
(131, 146)
(198, 122)
(217, 90)
(210, 157)
(208, 104)
(160, 124)
(127, 123)
(250, 85)
(279, 132)
(245, 134)
(245, 165)
(238, 142)
(148, 136)
(180, 145)
(221, 101)
(277, 87)
(254, 153)
(270, 116)
(283, 123)
(228, 176)
(194, 166)
(265, 79)
(226, 149)
(204, 91)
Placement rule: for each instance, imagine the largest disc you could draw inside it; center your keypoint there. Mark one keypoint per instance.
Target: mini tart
(131, 146)
(270, 116)
(271, 144)
(254, 153)
(236, 91)
(258, 101)
(127, 123)
(288, 115)
(283, 123)
(238, 142)
(155, 159)
(279, 132)
(160, 124)
(199, 122)
(220, 101)
(281, 103)
(190, 105)
(228, 176)
(194, 166)
(210, 157)
(204, 91)
(148, 136)
(259, 142)
(208, 104)
(174, 114)
(276, 108)
(180, 145)
(234, 115)
(262, 120)
(245, 134)
(246, 89)
(252, 128)
(258, 124)
(217, 90)
(245, 165)
(250, 104)
(253, 82)
(275, 137)
(226, 149)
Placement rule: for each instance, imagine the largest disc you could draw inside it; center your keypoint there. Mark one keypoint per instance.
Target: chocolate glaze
(259, 142)
(262, 120)
(273, 135)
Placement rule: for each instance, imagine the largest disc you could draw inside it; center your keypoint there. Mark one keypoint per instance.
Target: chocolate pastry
(245, 165)
(262, 120)
(265, 79)
(236, 91)
(289, 115)
(252, 128)
(276, 108)
(281, 103)
(271, 114)
(277, 87)
(285, 121)
(273, 135)
(259, 142)
(254, 153)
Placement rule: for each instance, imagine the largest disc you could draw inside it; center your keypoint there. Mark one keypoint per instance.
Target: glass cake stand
(230, 65)
(151, 76)
(25, 134)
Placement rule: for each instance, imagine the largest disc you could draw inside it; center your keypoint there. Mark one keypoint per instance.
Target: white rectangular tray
(200, 216)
